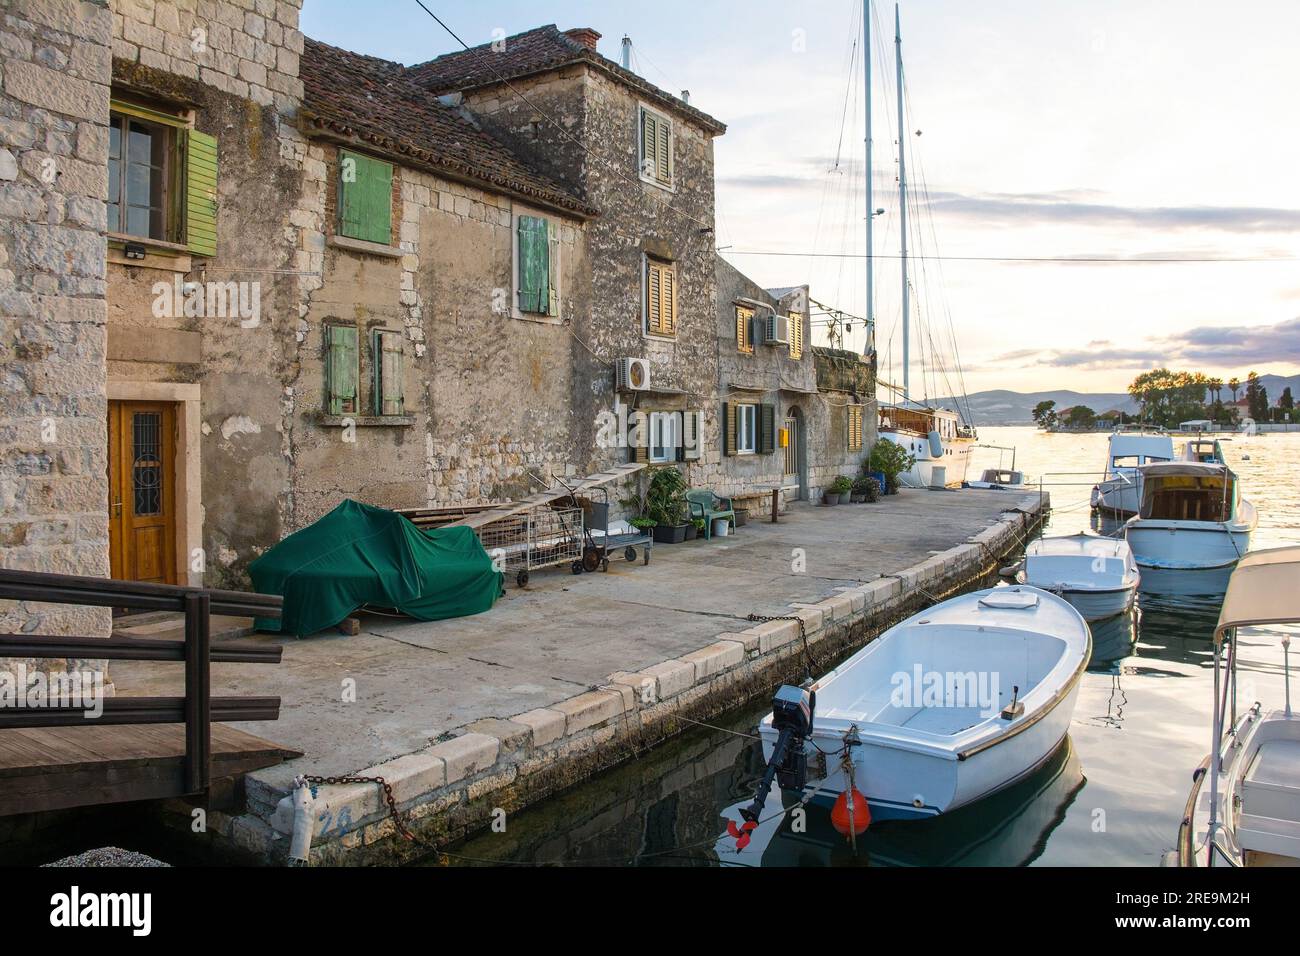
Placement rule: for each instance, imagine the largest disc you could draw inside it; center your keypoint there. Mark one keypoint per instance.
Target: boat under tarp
(361, 555)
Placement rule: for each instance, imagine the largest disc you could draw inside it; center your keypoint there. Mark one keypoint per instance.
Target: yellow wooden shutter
(796, 335)
(654, 298)
(744, 329)
(669, 305)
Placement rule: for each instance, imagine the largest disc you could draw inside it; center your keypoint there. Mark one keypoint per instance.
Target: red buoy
(854, 823)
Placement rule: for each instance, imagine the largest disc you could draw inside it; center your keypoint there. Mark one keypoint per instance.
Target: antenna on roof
(627, 52)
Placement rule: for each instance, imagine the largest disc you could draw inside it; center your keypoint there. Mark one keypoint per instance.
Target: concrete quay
(575, 674)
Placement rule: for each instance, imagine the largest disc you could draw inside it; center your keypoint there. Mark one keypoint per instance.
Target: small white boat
(1096, 574)
(1119, 491)
(943, 709)
(1204, 450)
(1192, 518)
(1000, 479)
(1251, 813)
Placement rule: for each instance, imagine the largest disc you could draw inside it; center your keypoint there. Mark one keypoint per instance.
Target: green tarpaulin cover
(359, 554)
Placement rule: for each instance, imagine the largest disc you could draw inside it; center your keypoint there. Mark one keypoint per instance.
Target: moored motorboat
(1000, 479)
(1096, 574)
(1192, 519)
(944, 708)
(1244, 807)
(1119, 492)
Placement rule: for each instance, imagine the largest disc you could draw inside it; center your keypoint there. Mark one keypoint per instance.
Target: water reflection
(1009, 828)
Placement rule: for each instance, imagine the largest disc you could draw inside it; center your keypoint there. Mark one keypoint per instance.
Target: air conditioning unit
(633, 374)
(776, 330)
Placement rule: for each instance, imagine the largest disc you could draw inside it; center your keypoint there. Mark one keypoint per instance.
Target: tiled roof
(374, 101)
(536, 51)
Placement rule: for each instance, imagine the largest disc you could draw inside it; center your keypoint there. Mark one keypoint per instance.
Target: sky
(1037, 130)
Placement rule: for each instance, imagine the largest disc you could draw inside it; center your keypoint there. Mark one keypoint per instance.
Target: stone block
(590, 710)
(715, 658)
(466, 755)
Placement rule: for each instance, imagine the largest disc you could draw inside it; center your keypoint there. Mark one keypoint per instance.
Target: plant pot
(721, 527)
(691, 532)
(830, 499)
(669, 533)
(742, 517)
(880, 478)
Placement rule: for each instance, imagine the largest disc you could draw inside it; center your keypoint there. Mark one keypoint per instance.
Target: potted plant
(891, 460)
(665, 505)
(860, 486)
(843, 486)
(868, 488)
(696, 530)
(830, 497)
(742, 516)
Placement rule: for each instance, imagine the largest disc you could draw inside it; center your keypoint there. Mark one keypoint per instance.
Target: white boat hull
(1160, 544)
(1096, 605)
(955, 459)
(1121, 496)
(917, 758)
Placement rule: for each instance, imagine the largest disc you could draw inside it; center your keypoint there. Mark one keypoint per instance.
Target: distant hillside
(1003, 407)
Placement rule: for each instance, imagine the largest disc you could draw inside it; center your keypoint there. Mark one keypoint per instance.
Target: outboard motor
(792, 718)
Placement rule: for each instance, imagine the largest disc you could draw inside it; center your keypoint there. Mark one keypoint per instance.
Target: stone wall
(53, 155)
(843, 378)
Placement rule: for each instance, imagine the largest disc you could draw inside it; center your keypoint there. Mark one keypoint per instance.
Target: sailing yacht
(938, 440)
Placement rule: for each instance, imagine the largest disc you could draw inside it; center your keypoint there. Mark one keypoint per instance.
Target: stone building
(54, 143)
(645, 158)
(845, 415)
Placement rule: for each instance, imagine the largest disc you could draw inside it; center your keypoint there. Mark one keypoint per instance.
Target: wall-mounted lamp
(134, 250)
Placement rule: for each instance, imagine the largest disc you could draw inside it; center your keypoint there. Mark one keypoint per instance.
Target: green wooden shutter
(341, 369)
(640, 448)
(649, 147)
(386, 352)
(767, 429)
(552, 268)
(663, 159)
(365, 198)
(200, 193)
(730, 426)
(534, 265)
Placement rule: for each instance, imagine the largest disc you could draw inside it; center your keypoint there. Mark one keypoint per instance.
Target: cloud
(1066, 207)
(1209, 346)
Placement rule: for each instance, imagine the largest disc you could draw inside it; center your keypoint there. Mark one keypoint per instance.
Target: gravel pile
(108, 856)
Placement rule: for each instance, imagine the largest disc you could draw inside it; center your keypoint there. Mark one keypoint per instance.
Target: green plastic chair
(703, 503)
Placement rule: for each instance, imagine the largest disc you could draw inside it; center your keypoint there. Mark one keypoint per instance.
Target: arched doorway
(795, 475)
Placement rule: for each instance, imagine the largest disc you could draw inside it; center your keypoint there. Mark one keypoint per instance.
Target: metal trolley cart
(541, 537)
(599, 542)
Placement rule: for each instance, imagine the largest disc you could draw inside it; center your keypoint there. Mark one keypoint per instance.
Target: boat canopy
(1262, 590)
(1128, 449)
(1188, 491)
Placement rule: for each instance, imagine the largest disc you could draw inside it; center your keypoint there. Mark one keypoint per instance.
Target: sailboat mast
(902, 189)
(866, 73)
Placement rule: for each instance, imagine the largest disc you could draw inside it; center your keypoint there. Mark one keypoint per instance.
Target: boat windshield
(1207, 497)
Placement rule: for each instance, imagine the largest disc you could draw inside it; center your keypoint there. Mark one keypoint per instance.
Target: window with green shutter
(656, 147)
(534, 270)
(386, 354)
(341, 369)
(365, 197)
(767, 429)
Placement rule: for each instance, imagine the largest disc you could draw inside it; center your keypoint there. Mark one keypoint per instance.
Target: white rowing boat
(1096, 574)
(944, 708)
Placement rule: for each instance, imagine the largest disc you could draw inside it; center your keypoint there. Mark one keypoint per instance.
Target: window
(796, 335)
(745, 429)
(140, 163)
(162, 178)
(744, 330)
(537, 274)
(663, 436)
(660, 298)
(656, 136)
(341, 369)
(853, 430)
(386, 355)
(365, 198)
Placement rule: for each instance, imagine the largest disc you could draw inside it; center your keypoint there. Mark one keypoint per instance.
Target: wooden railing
(198, 708)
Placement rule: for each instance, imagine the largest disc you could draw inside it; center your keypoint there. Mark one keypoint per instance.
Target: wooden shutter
(649, 147)
(668, 305)
(730, 427)
(639, 450)
(767, 429)
(386, 354)
(744, 329)
(664, 159)
(534, 265)
(552, 268)
(660, 298)
(365, 198)
(796, 335)
(692, 429)
(854, 430)
(200, 193)
(341, 369)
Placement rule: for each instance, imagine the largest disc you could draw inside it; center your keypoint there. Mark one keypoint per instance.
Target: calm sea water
(1112, 794)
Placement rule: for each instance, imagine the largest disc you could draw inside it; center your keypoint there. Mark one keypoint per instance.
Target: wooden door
(142, 491)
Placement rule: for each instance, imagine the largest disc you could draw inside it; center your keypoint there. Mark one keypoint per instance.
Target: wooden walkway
(53, 768)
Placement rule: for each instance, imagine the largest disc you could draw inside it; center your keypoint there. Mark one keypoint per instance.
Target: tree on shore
(1256, 398)
(1234, 386)
(1081, 416)
(1045, 414)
